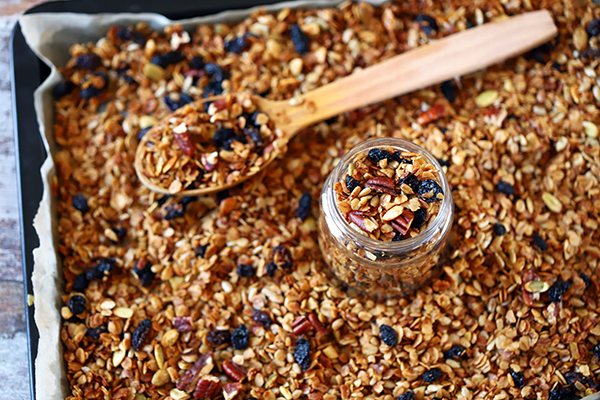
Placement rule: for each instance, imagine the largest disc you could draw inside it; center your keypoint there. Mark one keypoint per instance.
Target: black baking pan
(28, 72)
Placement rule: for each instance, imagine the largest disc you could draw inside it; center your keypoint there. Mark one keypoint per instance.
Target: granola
(529, 123)
(213, 143)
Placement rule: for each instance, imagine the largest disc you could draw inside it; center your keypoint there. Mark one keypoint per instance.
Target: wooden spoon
(451, 56)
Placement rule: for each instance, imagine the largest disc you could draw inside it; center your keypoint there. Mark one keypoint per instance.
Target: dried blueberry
(303, 210)
(593, 27)
(499, 229)
(101, 269)
(218, 337)
(557, 290)
(144, 274)
(565, 393)
(164, 60)
(76, 304)
(81, 282)
(586, 279)
(142, 132)
(139, 335)
(379, 154)
(236, 45)
(596, 351)
(80, 203)
(270, 269)
(299, 39)
(197, 63)
(302, 353)
(428, 24)
(388, 335)
(434, 374)
(419, 219)
(505, 188)
(429, 186)
(539, 242)
(262, 318)
(245, 270)
(351, 183)
(407, 396)
(222, 136)
(412, 181)
(240, 337)
(128, 34)
(517, 378)
(95, 333)
(448, 91)
(89, 61)
(201, 250)
(455, 352)
(62, 89)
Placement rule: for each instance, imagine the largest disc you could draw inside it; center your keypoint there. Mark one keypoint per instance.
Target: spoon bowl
(454, 55)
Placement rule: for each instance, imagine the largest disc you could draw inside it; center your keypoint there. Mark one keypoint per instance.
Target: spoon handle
(454, 55)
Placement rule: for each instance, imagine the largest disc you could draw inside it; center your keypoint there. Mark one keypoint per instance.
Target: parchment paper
(50, 36)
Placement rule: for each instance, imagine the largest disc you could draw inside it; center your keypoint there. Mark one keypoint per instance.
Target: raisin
(427, 186)
(565, 393)
(240, 337)
(80, 203)
(89, 61)
(398, 157)
(77, 304)
(499, 229)
(236, 45)
(222, 136)
(517, 378)
(164, 60)
(388, 335)
(596, 351)
(302, 353)
(139, 335)
(81, 282)
(448, 91)
(95, 333)
(146, 275)
(379, 154)
(303, 210)
(407, 396)
(412, 181)
(245, 270)
(201, 250)
(270, 269)
(217, 73)
(505, 188)
(351, 183)
(557, 290)
(217, 337)
(128, 34)
(443, 163)
(593, 27)
(434, 374)
(539, 242)
(586, 279)
(573, 377)
(419, 219)
(428, 24)
(62, 89)
(101, 269)
(92, 91)
(197, 63)
(456, 352)
(299, 39)
(262, 318)
(282, 257)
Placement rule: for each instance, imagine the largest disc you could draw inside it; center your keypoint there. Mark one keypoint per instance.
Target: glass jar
(373, 266)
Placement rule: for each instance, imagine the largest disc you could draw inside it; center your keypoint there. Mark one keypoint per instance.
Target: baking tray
(28, 72)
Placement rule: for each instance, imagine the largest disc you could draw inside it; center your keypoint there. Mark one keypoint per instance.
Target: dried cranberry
(139, 335)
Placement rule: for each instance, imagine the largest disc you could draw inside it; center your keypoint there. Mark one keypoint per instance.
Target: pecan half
(382, 189)
(207, 387)
(436, 112)
(231, 390)
(188, 378)
(382, 181)
(184, 139)
(358, 219)
(314, 320)
(300, 326)
(235, 372)
(403, 222)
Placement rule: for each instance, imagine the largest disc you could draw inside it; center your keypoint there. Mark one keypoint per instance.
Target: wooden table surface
(14, 373)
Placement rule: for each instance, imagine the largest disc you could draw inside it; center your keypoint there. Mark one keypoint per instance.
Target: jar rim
(401, 245)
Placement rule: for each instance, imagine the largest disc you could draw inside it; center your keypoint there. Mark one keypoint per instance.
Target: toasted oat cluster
(208, 144)
(390, 195)
(228, 295)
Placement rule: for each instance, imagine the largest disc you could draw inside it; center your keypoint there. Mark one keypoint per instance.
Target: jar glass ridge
(373, 266)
